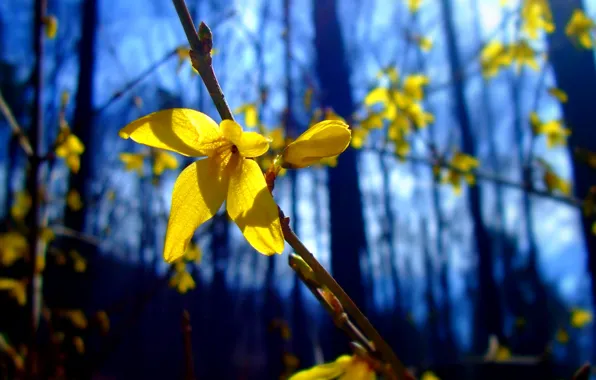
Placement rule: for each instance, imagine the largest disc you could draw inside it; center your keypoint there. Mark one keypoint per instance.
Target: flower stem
(16, 128)
(200, 55)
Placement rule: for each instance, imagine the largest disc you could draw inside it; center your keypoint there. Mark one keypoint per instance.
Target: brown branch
(189, 368)
(34, 287)
(488, 176)
(17, 131)
(201, 45)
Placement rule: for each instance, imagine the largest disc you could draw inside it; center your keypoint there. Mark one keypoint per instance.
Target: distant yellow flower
(325, 139)
(79, 344)
(16, 289)
(251, 114)
(21, 205)
(425, 43)
(503, 354)
(277, 137)
(391, 73)
(555, 183)
(80, 264)
(580, 28)
(414, 5)
(162, 161)
(523, 54)
(556, 134)
(580, 317)
(429, 375)
(104, 321)
(193, 253)
(181, 279)
(493, 58)
(201, 188)
(73, 200)
(76, 317)
(562, 336)
(414, 86)
(70, 150)
(559, 94)
(51, 26)
(13, 247)
(133, 161)
(462, 166)
(346, 367)
(536, 16)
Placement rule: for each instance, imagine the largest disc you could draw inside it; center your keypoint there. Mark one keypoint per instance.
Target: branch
(17, 131)
(527, 187)
(201, 45)
(189, 369)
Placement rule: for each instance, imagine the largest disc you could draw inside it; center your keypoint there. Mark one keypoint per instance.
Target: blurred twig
(16, 128)
(189, 368)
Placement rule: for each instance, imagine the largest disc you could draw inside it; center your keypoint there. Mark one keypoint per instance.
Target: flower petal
(325, 371)
(324, 139)
(185, 131)
(196, 197)
(231, 130)
(252, 207)
(253, 144)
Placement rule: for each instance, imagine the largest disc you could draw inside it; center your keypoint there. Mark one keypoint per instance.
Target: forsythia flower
(553, 182)
(493, 57)
(559, 94)
(580, 27)
(562, 336)
(16, 289)
(70, 150)
(325, 139)
(553, 130)
(536, 15)
(80, 264)
(73, 200)
(344, 368)
(462, 165)
(251, 115)
(226, 173)
(580, 318)
(182, 280)
(21, 205)
(51, 26)
(133, 161)
(13, 246)
(162, 161)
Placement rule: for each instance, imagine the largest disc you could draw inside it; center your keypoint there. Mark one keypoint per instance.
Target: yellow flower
(346, 367)
(493, 58)
(562, 336)
(183, 53)
(553, 182)
(580, 28)
(277, 137)
(193, 253)
(226, 173)
(76, 317)
(414, 86)
(325, 139)
(523, 54)
(559, 94)
(462, 166)
(503, 354)
(21, 205)
(104, 321)
(429, 375)
(51, 26)
(553, 130)
(181, 279)
(536, 15)
(425, 43)
(79, 344)
(414, 5)
(390, 72)
(580, 317)
(162, 161)
(70, 150)
(133, 161)
(13, 246)
(251, 114)
(16, 289)
(80, 264)
(73, 200)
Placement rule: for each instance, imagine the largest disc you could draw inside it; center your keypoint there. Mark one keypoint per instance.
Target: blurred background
(460, 220)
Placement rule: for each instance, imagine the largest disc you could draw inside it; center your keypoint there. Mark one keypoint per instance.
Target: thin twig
(201, 45)
(189, 368)
(16, 128)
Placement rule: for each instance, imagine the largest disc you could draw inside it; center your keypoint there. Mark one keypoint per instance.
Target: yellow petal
(181, 130)
(325, 371)
(231, 130)
(196, 197)
(253, 144)
(324, 139)
(252, 207)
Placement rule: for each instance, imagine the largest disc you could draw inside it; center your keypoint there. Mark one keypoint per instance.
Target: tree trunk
(82, 125)
(575, 73)
(348, 239)
(488, 316)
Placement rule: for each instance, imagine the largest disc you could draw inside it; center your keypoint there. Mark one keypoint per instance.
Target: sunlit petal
(324, 371)
(253, 144)
(252, 207)
(231, 130)
(185, 131)
(196, 197)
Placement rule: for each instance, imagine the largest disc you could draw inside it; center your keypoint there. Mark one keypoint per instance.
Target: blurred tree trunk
(348, 239)
(575, 73)
(82, 125)
(488, 315)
